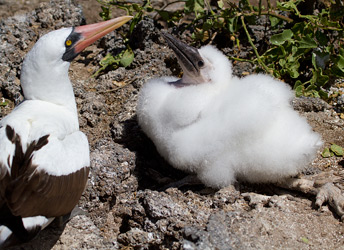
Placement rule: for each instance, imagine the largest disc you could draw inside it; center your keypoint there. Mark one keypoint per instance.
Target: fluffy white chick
(223, 128)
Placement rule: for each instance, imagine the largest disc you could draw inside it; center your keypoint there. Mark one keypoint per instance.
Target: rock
(144, 34)
(309, 104)
(216, 235)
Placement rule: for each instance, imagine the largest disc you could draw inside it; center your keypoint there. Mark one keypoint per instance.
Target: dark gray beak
(189, 58)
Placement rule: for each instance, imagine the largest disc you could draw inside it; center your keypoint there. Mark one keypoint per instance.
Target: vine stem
(253, 46)
(240, 59)
(209, 7)
(269, 13)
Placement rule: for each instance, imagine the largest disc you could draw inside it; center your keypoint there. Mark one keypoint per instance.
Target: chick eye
(68, 42)
(200, 64)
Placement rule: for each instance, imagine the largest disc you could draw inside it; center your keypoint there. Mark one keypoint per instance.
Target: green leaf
(207, 25)
(137, 7)
(319, 78)
(105, 14)
(282, 62)
(196, 6)
(164, 14)
(337, 150)
(127, 58)
(293, 69)
(107, 60)
(312, 93)
(274, 21)
(289, 6)
(314, 61)
(3, 103)
(322, 38)
(305, 240)
(220, 4)
(297, 84)
(326, 153)
(341, 52)
(299, 90)
(281, 38)
(338, 67)
(323, 94)
(137, 18)
(233, 24)
(307, 43)
(340, 62)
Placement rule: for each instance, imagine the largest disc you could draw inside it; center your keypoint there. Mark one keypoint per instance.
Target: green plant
(308, 53)
(333, 150)
(305, 50)
(3, 102)
(125, 57)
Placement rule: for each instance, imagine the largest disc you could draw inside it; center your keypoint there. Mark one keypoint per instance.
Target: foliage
(333, 150)
(305, 50)
(125, 57)
(309, 51)
(3, 102)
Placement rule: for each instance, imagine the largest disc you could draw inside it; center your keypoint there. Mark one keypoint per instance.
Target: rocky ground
(125, 202)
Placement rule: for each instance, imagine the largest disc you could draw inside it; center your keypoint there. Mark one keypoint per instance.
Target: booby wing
(42, 176)
(32, 190)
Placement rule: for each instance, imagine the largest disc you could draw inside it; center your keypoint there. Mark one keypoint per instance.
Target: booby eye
(200, 64)
(68, 43)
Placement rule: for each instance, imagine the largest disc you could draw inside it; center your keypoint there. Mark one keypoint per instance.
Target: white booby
(224, 128)
(44, 158)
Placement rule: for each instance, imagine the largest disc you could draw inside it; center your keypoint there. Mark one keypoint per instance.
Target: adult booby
(223, 128)
(44, 158)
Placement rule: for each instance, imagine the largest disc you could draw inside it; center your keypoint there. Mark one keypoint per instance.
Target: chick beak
(188, 57)
(88, 34)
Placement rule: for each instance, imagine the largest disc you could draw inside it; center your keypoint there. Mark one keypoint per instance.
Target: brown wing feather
(4, 179)
(44, 194)
(30, 192)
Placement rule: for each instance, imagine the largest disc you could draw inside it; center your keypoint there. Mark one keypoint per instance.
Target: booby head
(200, 66)
(44, 74)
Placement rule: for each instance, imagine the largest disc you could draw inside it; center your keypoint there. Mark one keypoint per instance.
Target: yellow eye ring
(68, 43)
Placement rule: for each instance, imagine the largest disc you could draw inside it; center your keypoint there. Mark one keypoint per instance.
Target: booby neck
(44, 76)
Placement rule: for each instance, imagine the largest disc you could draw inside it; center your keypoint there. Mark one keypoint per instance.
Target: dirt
(125, 203)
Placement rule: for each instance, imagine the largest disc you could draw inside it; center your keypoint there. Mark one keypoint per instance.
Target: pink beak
(92, 32)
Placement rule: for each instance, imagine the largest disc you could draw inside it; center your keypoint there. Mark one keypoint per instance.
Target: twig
(209, 7)
(240, 59)
(253, 47)
(115, 89)
(165, 6)
(268, 13)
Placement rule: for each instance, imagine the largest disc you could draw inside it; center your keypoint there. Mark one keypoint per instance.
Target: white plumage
(44, 158)
(223, 128)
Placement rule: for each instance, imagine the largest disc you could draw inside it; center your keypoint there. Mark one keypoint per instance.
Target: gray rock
(217, 234)
(309, 104)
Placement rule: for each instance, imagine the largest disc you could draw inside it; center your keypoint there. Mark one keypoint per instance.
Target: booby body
(223, 128)
(44, 158)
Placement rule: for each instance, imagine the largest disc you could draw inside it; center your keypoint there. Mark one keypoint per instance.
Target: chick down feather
(226, 128)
